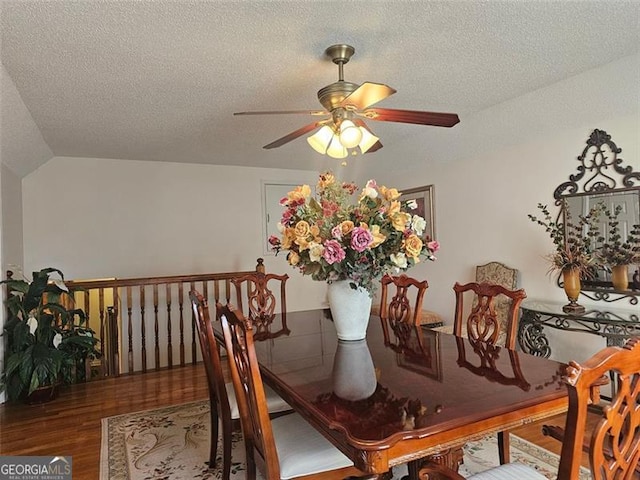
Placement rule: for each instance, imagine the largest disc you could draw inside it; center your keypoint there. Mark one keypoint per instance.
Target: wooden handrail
(145, 323)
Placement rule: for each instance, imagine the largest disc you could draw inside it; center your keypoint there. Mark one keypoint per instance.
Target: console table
(614, 324)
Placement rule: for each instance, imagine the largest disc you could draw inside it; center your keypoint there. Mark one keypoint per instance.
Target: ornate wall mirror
(602, 179)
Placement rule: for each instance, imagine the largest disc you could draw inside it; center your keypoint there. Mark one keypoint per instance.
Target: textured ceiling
(160, 80)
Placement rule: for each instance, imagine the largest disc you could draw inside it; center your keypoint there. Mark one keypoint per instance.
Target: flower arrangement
(332, 237)
(574, 242)
(618, 251)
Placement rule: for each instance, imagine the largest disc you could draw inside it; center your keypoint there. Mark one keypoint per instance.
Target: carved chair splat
(401, 314)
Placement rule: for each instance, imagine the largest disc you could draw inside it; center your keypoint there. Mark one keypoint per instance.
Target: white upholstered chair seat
(275, 403)
(509, 471)
(302, 450)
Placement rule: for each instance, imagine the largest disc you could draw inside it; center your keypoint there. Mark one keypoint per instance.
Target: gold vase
(620, 277)
(571, 279)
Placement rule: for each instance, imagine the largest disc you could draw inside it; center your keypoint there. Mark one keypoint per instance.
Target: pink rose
(361, 238)
(336, 232)
(433, 245)
(333, 252)
(274, 241)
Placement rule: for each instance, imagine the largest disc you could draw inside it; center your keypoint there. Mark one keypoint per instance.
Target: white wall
(12, 242)
(117, 218)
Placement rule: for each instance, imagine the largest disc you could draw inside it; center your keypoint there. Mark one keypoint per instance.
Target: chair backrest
(261, 302)
(482, 323)
(249, 389)
(497, 273)
(210, 354)
(614, 449)
(404, 310)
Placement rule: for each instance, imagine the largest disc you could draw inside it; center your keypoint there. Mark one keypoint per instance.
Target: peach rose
(389, 194)
(346, 227)
(412, 246)
(302, 229)
(293, 258)
(400, 221)
(299, 194)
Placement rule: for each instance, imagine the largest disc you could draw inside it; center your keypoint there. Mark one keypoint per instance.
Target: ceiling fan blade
(367, 94)
(376, 146)
(286, 112)
(437, 119)
(293, 135)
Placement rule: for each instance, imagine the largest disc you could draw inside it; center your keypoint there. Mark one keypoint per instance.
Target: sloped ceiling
(160, 80)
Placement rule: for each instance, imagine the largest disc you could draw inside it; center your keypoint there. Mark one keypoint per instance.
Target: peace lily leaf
(39, 320)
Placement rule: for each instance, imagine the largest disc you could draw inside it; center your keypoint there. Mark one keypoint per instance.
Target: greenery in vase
(574, 241)
(337, 237)
(46, 341)
(618, 250)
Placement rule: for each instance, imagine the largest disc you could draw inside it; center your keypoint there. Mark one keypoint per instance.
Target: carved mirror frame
(601, 173)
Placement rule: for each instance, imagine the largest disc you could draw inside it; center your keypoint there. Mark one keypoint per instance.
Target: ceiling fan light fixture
(350, 135)
(368, 140)
(336, 149)
(320, 140)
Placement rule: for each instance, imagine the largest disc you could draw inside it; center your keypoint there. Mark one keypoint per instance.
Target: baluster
(116, 316)
(129, 330)
(143, 330)
(104, 368)
(194, 353)
(156, 327)
(227, 288)
(216, 292)
(169, 345)
(181, 306)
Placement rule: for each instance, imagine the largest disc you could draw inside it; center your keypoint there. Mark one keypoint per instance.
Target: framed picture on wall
(423, 197)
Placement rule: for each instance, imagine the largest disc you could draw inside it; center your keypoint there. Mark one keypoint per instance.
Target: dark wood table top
(385, 405)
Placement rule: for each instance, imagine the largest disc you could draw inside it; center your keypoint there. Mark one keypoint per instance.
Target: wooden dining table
(426, 394)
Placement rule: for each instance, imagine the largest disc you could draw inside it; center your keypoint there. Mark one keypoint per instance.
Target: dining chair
(613, 445)
(482, 324)
(223, 405)
(260, 301)
(287, 447)
(403, 311)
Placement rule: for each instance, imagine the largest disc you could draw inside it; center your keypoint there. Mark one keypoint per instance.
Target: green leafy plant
(574, 241)
(617, 250)
(46, 340)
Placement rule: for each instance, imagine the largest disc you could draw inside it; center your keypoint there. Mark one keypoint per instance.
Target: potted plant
(45, 340)
(574, 256)
(616, 252)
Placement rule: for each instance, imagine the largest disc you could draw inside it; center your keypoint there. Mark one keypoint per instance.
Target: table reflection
(488, 356)
(354, 377)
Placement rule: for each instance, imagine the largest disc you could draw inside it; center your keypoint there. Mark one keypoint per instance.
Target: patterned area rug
(172, 443)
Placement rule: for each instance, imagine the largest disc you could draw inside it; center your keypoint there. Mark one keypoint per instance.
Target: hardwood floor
(71, 425)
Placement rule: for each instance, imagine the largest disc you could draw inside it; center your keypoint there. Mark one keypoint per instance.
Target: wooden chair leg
(213, 448)
(227, 432)
(503, 447)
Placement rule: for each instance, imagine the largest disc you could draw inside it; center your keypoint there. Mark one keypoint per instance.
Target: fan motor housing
(332, 95)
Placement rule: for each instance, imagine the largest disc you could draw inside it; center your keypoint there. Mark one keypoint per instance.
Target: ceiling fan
(347, 105)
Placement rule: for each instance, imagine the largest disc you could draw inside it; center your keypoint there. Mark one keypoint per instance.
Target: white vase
(354, 377)
(350, 310)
